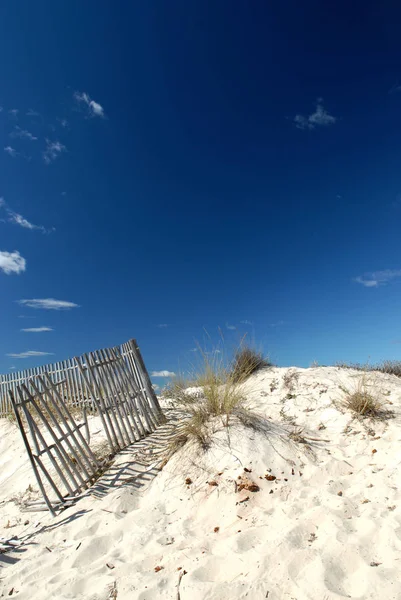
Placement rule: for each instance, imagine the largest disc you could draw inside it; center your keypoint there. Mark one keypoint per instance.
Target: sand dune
(261, 514)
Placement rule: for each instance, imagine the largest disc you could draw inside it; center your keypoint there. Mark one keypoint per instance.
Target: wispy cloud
(53, 151)
(22, 134)
(32, 113)
(48, 304)
(194, 350)
(378, 278)
(94, 108)
(17, 219)
(246, 322)
(29, 354)
(395, 88)
(163, 325)
(319, 118)
(63, 122)
(231, 327)
(37, 329)
(12, 262)
(277, 324)
(11, 151)
(163, 374)
(13, 112)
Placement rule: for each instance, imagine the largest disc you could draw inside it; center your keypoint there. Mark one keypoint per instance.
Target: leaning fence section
(72, 384)
(113, 383)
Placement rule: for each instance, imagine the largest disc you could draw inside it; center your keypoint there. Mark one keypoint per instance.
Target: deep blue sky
(219, 162)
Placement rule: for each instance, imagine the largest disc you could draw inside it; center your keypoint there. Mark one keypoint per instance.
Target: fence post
(146, 380)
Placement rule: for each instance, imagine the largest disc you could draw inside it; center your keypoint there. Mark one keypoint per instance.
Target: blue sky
(173, 166)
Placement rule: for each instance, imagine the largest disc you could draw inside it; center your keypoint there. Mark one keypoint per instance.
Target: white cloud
(23, 134)
(194, 350)
(63, 122)
(48, 304)
(378, 278)
(52, 151)
(32, 113)
(12, 367)
(319, 118)
(94, 108)
(13, 112)
(17, 219)
(11, 151)
(246, 322)
(231, 327)
(29, 354)
(277, 324)
(163, 374)
(163, 325)
(37, 329)
(12, 262)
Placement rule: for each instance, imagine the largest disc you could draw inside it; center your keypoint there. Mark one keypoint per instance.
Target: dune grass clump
(363, 403)
(366, 400)
(211, 398)
(246, 362)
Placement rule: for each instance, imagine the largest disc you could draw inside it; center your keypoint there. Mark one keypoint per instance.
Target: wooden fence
(72, 383)
(113, 382)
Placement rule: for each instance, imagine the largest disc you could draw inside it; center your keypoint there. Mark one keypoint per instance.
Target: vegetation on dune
(213, 395)
(366, 399)
(246, 362)
(390, 367)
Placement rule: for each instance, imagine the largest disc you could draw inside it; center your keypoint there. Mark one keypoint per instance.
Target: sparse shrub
(290, 379)
(246, 362)
(390, 367)
(366, 400)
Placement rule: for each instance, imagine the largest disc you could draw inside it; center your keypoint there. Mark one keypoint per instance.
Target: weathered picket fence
(72, 385)
(112, 382)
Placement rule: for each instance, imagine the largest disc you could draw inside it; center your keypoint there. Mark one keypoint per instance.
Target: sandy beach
(307, 508)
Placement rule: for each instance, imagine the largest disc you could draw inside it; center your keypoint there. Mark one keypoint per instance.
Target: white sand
(328, 527)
